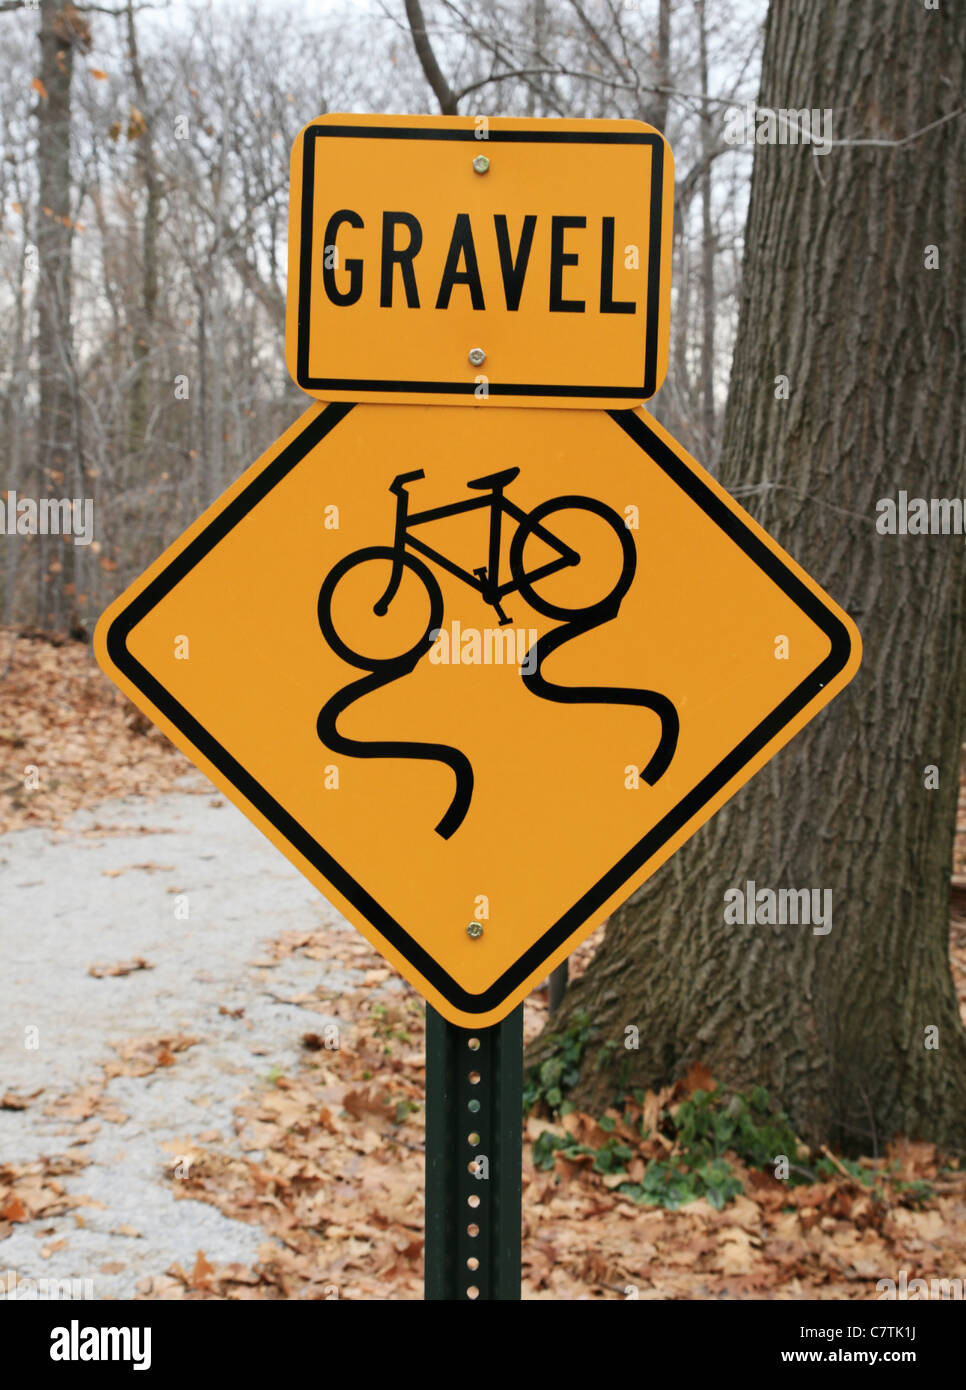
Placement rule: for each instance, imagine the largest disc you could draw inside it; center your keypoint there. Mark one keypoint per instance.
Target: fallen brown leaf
(202, 1271)
(13, 1210)
(124, 967)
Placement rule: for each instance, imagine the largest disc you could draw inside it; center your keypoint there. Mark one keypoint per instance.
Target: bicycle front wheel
(581, 509)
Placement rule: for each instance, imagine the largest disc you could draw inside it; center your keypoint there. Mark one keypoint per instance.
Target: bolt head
(475, 930)
(481, 164)
(477, 357)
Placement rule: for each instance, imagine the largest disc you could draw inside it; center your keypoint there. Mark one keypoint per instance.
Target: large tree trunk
(143, 319)
(662, 66)
(709, 308)
(838, 298)
(59, 467)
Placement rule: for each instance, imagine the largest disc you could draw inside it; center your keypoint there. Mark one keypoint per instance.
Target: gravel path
(106, 889)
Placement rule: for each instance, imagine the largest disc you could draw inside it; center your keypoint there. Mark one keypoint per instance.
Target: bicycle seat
(495, 480)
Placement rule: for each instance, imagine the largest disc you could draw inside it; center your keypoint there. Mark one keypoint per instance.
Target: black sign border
(299, 838)
(360, 385)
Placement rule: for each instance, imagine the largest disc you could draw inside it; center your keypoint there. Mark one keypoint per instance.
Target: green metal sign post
(474, 1148)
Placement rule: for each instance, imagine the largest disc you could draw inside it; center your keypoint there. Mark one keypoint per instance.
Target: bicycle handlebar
(401, 479)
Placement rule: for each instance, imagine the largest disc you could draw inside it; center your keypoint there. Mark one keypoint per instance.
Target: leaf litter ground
(325, 1158)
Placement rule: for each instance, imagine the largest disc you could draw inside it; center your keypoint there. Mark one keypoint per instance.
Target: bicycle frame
(485, 579)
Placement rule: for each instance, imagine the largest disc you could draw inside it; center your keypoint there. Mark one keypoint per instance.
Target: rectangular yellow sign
(459, 260)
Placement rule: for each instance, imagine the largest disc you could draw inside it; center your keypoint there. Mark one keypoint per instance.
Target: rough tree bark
(837, 296)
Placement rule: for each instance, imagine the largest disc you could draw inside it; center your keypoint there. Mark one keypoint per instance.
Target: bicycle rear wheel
(367, 556)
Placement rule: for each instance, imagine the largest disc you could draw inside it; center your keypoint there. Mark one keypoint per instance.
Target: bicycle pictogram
(409, 553)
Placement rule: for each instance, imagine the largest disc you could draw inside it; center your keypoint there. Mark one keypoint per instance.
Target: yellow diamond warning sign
(478, 689)
(460, 260)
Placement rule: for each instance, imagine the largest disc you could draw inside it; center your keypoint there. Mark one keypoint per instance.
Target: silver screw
(474, 931)
(481, 164)
(477, 356)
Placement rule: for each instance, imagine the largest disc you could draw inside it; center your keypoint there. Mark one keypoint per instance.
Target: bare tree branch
(891, 144)
(504, 76)
(447, 98)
